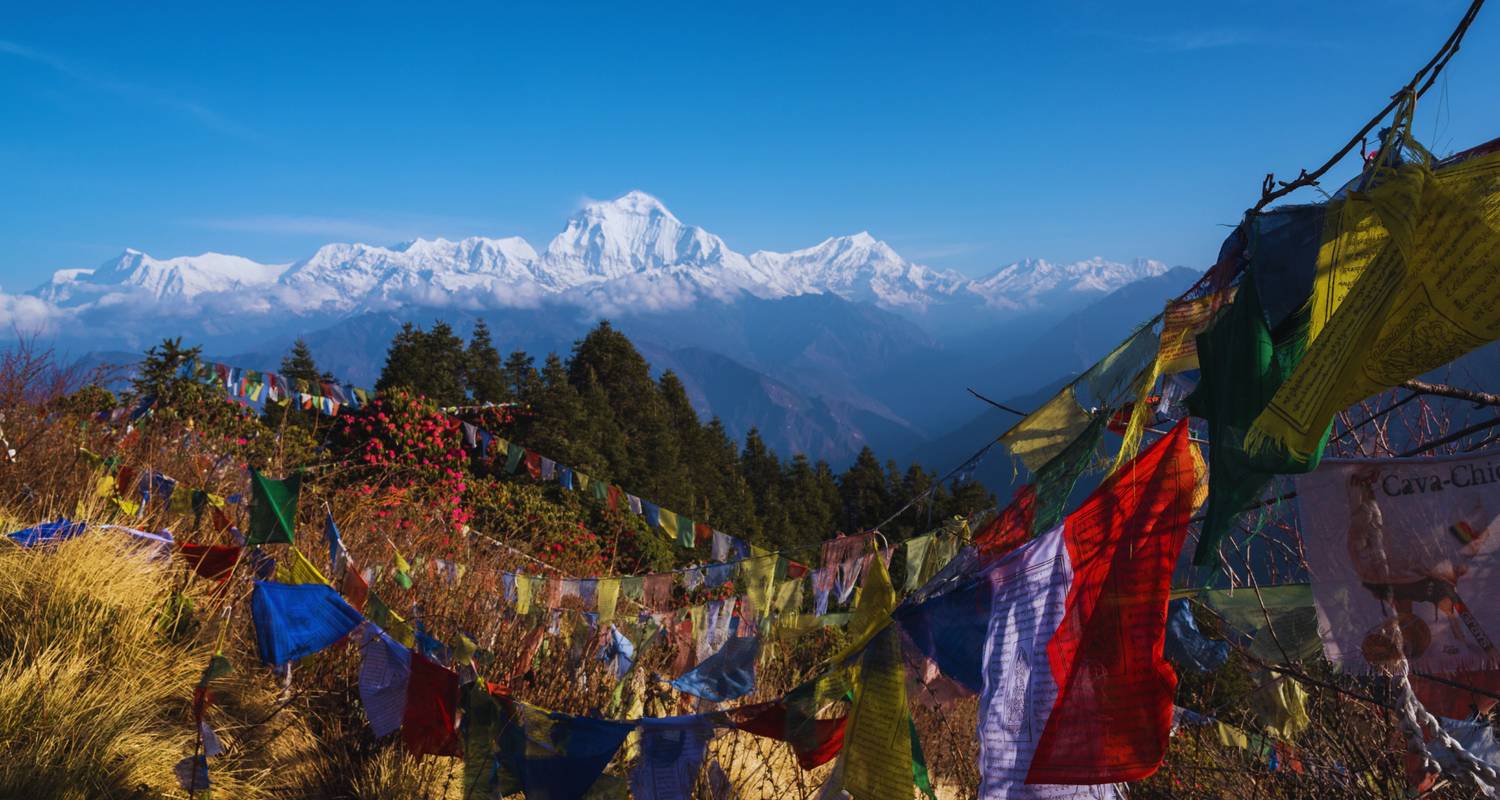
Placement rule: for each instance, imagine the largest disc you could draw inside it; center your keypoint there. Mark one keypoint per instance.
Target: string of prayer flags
(1408, 279)
(672, 751)
(1045, 432)
(273, 509)
(1244, 364)
(383, 676)
(295, 620)
(429, 723)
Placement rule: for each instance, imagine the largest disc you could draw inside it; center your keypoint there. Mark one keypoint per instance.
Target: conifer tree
(864, 491)
(298, 364)
(486, 377)
(521, 379)
(160, 373)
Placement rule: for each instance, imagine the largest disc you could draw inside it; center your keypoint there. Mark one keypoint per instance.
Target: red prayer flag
(429, 722)
(355, 589)
(814, 744)
(1113, 711)
(211, 561)
(1011, 528)
(533, 462)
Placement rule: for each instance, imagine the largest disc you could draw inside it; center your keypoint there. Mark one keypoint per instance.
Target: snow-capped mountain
(1032, 282)
(181, 278)
(612, 257)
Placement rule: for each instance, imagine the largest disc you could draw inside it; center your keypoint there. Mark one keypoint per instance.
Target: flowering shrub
(403, 450)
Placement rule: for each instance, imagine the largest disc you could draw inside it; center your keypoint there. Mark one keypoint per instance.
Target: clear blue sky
(966, 137)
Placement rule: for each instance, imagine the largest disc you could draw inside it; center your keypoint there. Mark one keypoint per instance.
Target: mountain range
(825, 349)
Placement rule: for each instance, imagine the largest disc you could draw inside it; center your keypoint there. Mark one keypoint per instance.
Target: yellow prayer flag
(1045, 432)
(872, 610)
(877, 744)
(1182, 321)
(757, 572)
(1408, 279)
(668, 522)
(523, 594)
(606, 594)
(295, 568)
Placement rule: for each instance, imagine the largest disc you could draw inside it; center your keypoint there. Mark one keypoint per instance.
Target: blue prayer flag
(725, 675)
(293, 620)
(47, 532)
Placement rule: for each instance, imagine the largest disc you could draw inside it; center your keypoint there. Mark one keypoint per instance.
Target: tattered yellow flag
(757, 572)
(523, 594)
(1045, 432)
(606, 595)
(295, 568)
(1408, 279)
(877, 743)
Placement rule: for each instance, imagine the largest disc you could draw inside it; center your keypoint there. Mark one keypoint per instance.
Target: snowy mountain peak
(1034, 282)
(183, 277)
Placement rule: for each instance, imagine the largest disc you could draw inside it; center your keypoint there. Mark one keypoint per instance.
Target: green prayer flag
(1054, 481)
(1243, 364)
(685, 536)
(513, 455)
(919, 764)
(273, 508)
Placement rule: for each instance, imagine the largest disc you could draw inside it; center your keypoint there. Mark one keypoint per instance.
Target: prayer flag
(1408, 279)
(725, 675)
(1045, 432)
(1186, 645)
(273, 509)
(383, 675)
(335, 543)
(672, 750)
(295, 568)
(1075, 687)
(429, 723)
(1243, 364)
(295, 620)
(562, 755)
(47, 533)
(212, 562)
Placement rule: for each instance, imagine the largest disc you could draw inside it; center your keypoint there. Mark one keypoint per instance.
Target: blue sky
(966, 136)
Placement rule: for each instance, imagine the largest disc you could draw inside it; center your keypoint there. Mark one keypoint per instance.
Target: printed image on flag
(1402, 554)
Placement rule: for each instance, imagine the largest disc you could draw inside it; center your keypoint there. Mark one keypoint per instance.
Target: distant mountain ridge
(628, 254)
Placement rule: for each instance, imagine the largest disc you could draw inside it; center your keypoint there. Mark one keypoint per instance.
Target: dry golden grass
(95, 701)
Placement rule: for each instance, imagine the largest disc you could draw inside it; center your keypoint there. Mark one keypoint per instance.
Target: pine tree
(160, 374)
(521, 379)
(486, 378)
(863, 487)
(299, 365)
(432, 363)
(652, 458)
